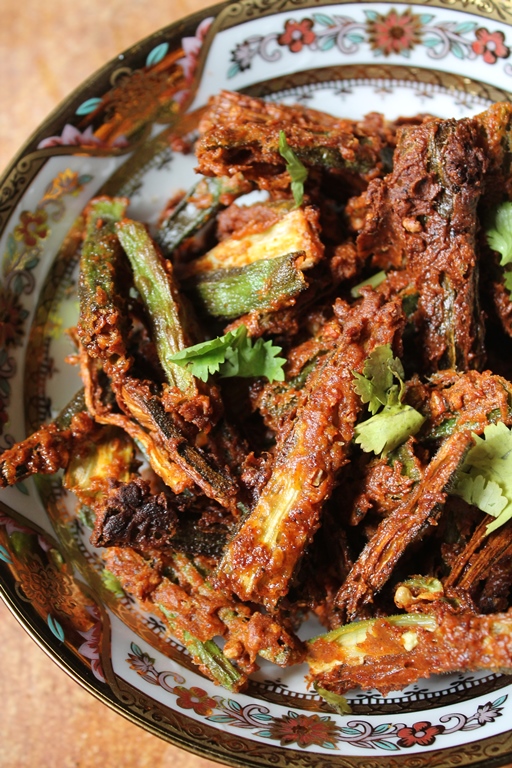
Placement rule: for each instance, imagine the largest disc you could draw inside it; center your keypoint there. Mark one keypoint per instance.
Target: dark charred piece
(132, 516)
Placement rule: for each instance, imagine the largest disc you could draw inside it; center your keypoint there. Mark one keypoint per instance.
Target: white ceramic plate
(448, 58)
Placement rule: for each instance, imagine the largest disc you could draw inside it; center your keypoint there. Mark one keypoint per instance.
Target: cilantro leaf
(298, 172)
(206, 358)
(233, 354)
(377, 378)
(388, 429)
(499, 232)
(485, 480)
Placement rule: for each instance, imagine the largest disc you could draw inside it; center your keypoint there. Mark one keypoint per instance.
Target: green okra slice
(393, 652)
(197, 208)
(206, 654)
(296, 230)
(263, 285)
(154, 282)
(104, 321)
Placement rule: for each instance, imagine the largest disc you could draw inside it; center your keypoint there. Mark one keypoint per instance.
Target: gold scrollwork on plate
(385, 76)
(247, 10)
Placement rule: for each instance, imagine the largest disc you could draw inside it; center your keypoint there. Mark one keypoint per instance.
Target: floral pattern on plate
(395, 32)
(154, 93)
(24, 249)
(302, 730)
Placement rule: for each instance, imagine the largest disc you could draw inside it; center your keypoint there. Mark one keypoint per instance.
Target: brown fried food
(423, 218)
(203, 612)
(240, 133)
(130, 515)
(388, 656)
(407, 523)
(146, 407)
(467, 401)
(259, 562)
(483, 567)
(386, 483)
(46, 451)
(104, 319)
(103, 413)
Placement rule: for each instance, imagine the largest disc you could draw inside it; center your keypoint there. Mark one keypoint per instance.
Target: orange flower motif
(32, 228)
(491, 46)
(424, 734)
(297, 34)
(196, 699)
(395, 32)
(304, 730)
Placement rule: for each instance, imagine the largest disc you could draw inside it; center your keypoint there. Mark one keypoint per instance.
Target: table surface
(46, 50)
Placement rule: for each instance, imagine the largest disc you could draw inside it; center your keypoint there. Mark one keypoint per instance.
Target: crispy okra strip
(495, 126)
(387, 481)
(472, 400)
(196, 209)
(479, 560)
(49, 448)
(259, 562)
(391, 653)
(95, 464)
(162, 464)
(422, 218)
(193, 622)
(154, 281)
(148, 410)
(240, 133)
(249, 633)
(409, 522)
(104, 321)
(265, 285)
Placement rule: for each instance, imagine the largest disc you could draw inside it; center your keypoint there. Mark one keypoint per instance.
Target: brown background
(46, 50)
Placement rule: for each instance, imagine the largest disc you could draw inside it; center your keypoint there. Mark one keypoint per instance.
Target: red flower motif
(424, 734)
(395, 32)
(304, 730)
(490, 45)
(196, 699)
(32, 228)
(297, 34)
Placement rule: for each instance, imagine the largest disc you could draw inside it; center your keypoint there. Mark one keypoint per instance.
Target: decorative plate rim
(41, 633)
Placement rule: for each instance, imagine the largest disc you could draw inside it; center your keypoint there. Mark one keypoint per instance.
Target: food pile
(302, 405)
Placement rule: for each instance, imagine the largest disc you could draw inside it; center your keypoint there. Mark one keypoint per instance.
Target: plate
(111, 136)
